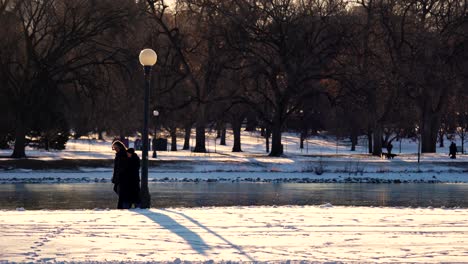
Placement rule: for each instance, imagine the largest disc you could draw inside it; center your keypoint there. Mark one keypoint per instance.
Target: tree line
(383, 68)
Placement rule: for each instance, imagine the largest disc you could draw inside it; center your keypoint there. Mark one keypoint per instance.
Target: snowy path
(309, 233)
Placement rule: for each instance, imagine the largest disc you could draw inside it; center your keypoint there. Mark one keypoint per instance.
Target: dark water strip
(180, 194)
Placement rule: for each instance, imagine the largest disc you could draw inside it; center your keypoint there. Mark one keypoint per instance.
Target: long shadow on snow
(192, 238)
(212, 232)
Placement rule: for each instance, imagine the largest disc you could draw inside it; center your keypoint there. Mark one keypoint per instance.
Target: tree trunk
(276, 146)
(462, 137)
(369, 139)
(20, 142)
(430, 126)
(200, 140)
(236, 129)
(100, 136)
(354, 139)
(267, 140)
(188, 130)
(173, 139)
(441, 138)
(302, 137)
(46, 143)
(223, 136)
(377, 138)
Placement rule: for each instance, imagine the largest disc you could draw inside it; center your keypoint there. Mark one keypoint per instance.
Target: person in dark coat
(389, 150)
(453, 151)
(134, 179)
(121, 173)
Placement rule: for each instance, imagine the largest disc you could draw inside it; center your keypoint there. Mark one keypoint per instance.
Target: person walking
(389, 150)
(453, 150)
(133, 184)
(121, 174)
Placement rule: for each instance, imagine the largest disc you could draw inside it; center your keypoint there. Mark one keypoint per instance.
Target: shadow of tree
(192, 238)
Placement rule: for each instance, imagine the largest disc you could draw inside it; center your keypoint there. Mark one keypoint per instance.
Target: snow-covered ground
(253, 146)
(239, 234)
(321, 160)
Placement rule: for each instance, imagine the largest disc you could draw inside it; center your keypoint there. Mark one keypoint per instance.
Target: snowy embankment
(321, 160)
(105, 176)
(238, 234)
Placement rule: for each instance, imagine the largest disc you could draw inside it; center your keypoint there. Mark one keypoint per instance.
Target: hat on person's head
(131, 150)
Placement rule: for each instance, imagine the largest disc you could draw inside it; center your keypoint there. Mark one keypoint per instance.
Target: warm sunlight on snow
(320, 233)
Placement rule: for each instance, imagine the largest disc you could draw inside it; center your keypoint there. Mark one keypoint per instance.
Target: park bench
(459, 149)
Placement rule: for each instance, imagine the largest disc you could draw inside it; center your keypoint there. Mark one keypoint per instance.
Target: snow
(265, 234)
(324, 233)
(322, 160)
(238, 234)
(253, 146)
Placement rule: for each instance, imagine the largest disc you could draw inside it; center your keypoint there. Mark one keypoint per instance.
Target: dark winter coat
(132, 183)
(389, 148)
(453, 149)
(120, 167)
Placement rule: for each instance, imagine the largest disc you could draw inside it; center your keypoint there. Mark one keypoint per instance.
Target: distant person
(121, 170)
(138, 144)
(132, 186)
(453, 150)
(389, 149)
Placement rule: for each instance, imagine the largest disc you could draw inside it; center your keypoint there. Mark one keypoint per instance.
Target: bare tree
(193, 29)
(289, 44)
(54, 42)
(424, 38)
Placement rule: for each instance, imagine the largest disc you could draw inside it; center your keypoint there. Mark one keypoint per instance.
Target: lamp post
(418, 131)
(155, 114)
(147, 59)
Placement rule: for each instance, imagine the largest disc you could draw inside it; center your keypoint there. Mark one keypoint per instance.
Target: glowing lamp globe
(148, 57)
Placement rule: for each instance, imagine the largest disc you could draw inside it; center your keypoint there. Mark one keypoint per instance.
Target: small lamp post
(155, 114)
(147, 59)
(418, 131)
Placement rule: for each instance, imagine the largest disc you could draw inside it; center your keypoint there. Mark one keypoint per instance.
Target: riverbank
(236, 234)
(104, 176)
(322, 160)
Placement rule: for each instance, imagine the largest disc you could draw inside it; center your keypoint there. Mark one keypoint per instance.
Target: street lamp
(155, 114)
(418, 131)
(147, 59)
